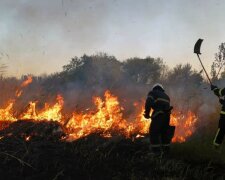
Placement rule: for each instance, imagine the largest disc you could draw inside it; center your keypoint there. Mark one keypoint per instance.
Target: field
(100, 92)
(45, 156)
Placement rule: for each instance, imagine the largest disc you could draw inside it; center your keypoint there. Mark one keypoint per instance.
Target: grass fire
(112, 90)
(87, 124)
(107, 118)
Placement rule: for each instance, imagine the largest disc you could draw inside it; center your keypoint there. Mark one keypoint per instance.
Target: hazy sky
(40, 36)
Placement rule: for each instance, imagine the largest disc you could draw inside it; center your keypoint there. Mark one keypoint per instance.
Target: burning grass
(107, 117)
(89, 144)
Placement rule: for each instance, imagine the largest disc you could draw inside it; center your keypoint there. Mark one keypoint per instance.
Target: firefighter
(221, 127)
(159, 102)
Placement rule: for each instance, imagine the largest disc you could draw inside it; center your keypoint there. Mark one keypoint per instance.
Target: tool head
(198, 46)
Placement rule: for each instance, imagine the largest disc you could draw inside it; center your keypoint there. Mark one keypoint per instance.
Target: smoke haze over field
(90, 76)
(41, 36)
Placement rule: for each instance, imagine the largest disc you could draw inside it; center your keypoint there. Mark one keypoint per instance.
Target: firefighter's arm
(218, 91)
(148, 105)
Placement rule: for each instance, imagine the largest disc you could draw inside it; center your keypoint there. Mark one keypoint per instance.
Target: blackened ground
(93, 157)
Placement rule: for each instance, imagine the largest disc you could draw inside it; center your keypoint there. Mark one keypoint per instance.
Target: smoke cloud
(41, 36)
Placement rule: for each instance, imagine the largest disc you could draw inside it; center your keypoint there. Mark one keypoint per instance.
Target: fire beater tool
(197, 48)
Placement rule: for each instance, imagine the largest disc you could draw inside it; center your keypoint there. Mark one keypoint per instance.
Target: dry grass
(94, 157)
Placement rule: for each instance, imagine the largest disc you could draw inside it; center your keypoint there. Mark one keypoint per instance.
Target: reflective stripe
(157, 113)
(161, 99)
(215, 144)
(151, 97)
(220, 92)
(214, 141)
(222, 112)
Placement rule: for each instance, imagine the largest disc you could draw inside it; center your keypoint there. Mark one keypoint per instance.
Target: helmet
(157, 85)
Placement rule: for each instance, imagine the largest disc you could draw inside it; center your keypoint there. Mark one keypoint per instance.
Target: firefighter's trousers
(220, 132)
(159, 138)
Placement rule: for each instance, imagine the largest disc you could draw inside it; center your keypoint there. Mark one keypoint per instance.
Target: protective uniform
(221, 128)
(159, 102)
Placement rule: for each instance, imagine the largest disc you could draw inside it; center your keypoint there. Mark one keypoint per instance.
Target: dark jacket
(220, 92)
(157, 100)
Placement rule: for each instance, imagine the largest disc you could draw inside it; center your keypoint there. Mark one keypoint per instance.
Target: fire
(48, 113)
(25, 83)
(185, 125)
(107, 118)
(54, 112)
(6, 113)
(19, 93)
(30, 112)
(27, 138)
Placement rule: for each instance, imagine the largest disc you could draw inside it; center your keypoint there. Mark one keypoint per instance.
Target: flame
(22, 85)
(27, 138)
(27, 81)
(30, 112)
(19, 93)
(54, 112)
(107, 119)
(6, 113)
(185, 125)
(48, 113)
(108, 116)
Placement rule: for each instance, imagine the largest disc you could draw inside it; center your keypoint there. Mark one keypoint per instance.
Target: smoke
(45, 32)
(86, 77)
(39, 34)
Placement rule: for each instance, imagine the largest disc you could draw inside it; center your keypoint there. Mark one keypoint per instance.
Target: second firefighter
(221, 127)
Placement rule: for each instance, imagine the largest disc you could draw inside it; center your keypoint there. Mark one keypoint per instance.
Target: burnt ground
(34, 150)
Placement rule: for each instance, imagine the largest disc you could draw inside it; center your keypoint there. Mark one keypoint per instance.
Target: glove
(213, 87)
(171, 107)
(147, 116)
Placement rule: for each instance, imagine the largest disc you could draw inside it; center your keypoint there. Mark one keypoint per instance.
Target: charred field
(86, 122)
(47, 156)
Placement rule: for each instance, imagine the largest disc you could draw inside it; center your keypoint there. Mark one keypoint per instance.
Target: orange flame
(48, 113)
(107, 119)
(6, 113)
(185, 125)
(18, 93)
(23, 84)
(27, 81)
(30, 112)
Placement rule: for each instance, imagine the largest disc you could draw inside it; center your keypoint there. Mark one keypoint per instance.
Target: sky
(40, 36)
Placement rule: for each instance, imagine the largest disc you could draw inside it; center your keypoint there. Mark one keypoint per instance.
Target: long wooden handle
(204, 70)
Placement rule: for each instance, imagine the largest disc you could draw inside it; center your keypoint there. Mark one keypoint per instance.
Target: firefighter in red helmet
(221, 127)
(159, 102)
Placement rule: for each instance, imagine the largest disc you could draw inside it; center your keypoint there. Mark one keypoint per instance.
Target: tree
(183, 74)
(146, 71)
(219, 62)
(74, 64)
